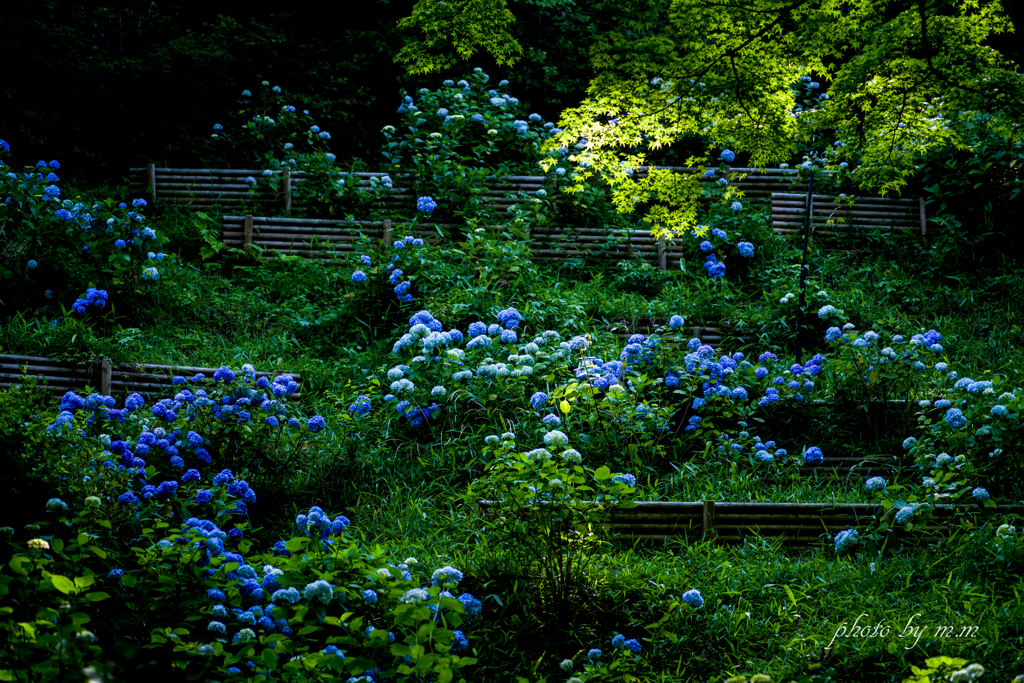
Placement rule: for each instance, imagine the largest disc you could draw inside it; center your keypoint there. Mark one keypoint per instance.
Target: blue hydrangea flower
(746, 249)
(736, 206)
(693, 598)
(813, 456)
(223, 374)
(539, 400)
(875, 484)
(249, 180)
(706, 246)
(846, 539)
(905, 514)
(445, 575)
(955, 418)
(319, 590)
(128, 498)
(317, 423)
(728, 156)
(359, 276)
(426, 204)
(980, 494)
(618, 641)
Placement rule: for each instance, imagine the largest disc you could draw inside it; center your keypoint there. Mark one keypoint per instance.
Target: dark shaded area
(102, 88)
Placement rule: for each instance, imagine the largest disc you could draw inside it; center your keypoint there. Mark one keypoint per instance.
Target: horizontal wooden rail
(152, 380)
(211, 187)
(710, 335)
(831, 215)
(794, 524)
(324, 238)
(58, 376)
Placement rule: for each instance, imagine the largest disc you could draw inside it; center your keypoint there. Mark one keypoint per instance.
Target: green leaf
(269, 659)
(15, 565)
(63, 584)
(96, 596)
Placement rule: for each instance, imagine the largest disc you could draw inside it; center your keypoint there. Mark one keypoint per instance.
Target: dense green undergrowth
(439, 375)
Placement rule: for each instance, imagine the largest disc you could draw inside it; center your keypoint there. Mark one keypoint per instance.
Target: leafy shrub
(54, 248)
(640, 276)
(547, 505)
(266, 132)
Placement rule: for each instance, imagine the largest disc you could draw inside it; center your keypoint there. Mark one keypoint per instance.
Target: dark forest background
(103, 87)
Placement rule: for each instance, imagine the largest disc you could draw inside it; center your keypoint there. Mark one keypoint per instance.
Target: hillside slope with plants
(410, 459)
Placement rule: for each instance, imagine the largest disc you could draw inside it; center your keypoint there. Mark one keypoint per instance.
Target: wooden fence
(794, 524)
(712, 336)
(206, 188)
(58, 376)
(149, 379)
(833, 216)
(324, 238)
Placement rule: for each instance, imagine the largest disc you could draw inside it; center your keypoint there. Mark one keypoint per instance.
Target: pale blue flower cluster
(875, 484)
(846, 539)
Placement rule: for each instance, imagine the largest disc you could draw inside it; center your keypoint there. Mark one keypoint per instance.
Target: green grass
(768, 609)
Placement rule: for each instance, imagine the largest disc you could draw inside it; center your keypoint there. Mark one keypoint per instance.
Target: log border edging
(105, 376)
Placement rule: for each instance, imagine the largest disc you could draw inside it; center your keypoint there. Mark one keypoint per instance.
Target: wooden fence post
(662, 253)
(287, 193)
(709, 516)
(106, 371)
(247, 229)
(387, 232)
(151, 181)
(924, 217)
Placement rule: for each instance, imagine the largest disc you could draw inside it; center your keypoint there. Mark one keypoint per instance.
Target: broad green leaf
(63, 584)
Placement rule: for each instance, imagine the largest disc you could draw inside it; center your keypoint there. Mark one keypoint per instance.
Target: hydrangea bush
(172, 448)
(483, 369)
(159, 527)
(965, 430)
(267, 131)
(317, 604)
(57, 247)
